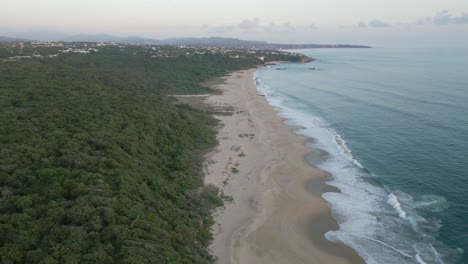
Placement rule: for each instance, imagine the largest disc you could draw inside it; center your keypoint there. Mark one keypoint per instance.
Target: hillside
(193, 42)
(8, 39)
(99, 165)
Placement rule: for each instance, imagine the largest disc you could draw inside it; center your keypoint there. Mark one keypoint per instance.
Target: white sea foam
(393, 201)
(372, 220)
(419, 259)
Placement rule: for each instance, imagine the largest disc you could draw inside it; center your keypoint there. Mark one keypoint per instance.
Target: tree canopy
(99, 165)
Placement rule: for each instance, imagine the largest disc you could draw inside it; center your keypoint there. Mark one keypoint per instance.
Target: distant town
(11, 51)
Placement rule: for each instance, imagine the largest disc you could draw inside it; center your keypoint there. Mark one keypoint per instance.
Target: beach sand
(277, 214)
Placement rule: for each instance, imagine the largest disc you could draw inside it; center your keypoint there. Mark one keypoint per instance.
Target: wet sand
(277, 214)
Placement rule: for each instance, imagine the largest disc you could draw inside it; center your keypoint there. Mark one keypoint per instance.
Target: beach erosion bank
(277, 214)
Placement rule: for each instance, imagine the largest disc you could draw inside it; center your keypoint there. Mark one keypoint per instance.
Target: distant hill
(315, 46)
(215, 41)
(109, 38)
(195, 42)
(8, 39)
(238, 43)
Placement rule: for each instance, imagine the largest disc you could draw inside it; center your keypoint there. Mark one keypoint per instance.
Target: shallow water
(395, 123)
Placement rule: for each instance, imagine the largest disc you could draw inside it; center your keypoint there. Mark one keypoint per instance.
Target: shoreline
(277, 214)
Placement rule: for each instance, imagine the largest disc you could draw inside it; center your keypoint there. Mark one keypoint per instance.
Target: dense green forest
(99, 165)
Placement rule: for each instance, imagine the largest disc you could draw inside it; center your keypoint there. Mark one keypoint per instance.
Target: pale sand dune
(278, 215)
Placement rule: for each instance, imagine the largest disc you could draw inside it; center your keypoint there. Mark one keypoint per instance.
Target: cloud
(224, 29)
(377, 23)
(313, 27)
(445, 18)
(246, 25)
(250, 23)
(284, 28)
(271, 27)
(423, 21)
(288, 27)
(362, 24)
(256, 25)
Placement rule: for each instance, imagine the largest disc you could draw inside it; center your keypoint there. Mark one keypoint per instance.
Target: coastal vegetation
(98, 164)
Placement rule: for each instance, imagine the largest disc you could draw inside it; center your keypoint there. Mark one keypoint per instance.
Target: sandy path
(277, 215)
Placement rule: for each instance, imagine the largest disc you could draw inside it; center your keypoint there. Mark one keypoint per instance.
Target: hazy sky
(374, 22)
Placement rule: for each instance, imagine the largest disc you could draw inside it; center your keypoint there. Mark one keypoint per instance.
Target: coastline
(277, 214)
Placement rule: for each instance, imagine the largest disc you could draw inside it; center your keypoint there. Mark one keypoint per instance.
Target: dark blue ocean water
(395, 125)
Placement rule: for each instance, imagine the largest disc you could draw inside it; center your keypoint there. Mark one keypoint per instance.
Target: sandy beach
(277, 214)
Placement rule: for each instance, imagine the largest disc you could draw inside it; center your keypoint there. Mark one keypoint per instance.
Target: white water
(372, 220)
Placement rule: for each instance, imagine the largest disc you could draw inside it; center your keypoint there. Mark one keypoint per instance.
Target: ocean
(393, 124)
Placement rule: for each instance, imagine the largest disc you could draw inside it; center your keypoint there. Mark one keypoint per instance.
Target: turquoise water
(394, 123)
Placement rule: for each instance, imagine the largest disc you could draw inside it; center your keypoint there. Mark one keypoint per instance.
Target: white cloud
(250, 23)
(288, 27)
(284, 28)
(377, 23)
(223, 29)
(362, 24)
(423, 21)
(446, 18)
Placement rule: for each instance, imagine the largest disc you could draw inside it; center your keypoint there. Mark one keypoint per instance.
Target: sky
(396, 23)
